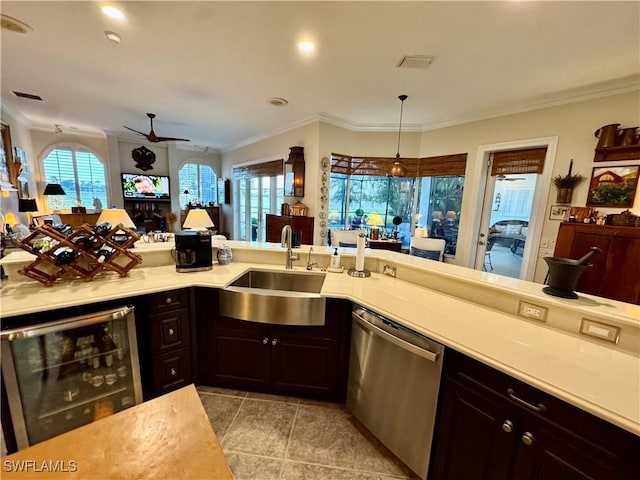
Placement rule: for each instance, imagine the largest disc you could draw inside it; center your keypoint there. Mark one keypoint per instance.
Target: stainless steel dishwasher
(394, 377)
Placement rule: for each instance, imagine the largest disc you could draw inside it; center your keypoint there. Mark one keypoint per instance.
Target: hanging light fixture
(398, 169)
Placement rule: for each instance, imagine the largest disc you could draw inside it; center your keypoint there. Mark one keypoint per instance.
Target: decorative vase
(224, 255)
(564, 195)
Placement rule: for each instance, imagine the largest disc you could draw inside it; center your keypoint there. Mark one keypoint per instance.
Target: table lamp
(198, 219)
(27, 205)
(54, 189)
(116, 216)
(375, 221)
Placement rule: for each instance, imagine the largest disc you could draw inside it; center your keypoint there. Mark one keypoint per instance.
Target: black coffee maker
(193, 251)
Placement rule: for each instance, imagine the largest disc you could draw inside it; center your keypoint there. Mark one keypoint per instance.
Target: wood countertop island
(168, 437)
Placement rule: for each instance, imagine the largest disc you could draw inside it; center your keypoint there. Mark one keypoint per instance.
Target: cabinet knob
(527, 438)
(168, 300)
(173, 372)
(274, 341)
(507, 426)
(171, 331)
(265, 340)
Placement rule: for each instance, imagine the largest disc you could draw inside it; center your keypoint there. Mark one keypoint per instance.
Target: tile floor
(268, 437)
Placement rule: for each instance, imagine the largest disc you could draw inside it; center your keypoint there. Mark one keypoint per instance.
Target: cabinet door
(304, 366)
(274, 227)
(169, 330)
(241, 355)
(475, 437)
(621, 280)
(172, 370)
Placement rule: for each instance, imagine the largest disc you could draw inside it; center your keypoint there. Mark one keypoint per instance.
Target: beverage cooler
(64, 374)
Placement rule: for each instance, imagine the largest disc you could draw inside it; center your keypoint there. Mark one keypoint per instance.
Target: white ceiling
(206, 68)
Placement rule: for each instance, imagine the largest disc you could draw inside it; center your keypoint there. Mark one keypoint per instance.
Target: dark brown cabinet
(307, 361)
(169, 329)
(492, 426)
(614, 273)
(304, 225)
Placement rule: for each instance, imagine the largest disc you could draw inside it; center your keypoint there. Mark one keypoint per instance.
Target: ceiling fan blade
(129, 128)
(169, 139)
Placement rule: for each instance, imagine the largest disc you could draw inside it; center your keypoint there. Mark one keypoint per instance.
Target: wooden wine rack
(85, 265)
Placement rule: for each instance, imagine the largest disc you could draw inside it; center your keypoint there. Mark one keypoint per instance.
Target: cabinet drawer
(172, 370)
(172, 300)
(169, 330)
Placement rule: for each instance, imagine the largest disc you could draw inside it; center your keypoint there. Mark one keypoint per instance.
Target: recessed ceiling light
(113, 12)
(113, 36)
(277, 102)
(306, 47)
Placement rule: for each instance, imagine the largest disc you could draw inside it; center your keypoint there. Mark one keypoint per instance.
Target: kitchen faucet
(285, 240)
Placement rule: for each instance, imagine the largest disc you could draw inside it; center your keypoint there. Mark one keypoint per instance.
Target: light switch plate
(610, 333)
(531, 310)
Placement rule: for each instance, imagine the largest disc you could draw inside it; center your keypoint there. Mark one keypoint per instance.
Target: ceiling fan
(152, 137)
(501, 178)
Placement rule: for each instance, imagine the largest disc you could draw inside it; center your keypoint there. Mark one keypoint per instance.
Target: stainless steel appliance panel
(394, 378)
(64, 374)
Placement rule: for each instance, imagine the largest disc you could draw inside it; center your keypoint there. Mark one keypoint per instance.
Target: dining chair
(430, 248)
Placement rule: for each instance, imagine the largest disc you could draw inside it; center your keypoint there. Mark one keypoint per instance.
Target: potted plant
(565, 185)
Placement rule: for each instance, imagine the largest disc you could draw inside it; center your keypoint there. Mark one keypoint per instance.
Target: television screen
(145, 187)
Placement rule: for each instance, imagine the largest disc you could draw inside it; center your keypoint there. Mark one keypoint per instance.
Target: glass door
(62, 375)
(257, 196)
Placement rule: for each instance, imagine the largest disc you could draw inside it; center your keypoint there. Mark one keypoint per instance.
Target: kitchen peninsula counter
(601, 378)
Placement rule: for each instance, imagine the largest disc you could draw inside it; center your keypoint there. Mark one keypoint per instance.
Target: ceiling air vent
(29, 96)
(415, 61)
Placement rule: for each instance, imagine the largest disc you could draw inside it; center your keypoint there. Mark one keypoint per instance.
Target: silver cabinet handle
(168, 300)
(536, 408)
(527, 439)
(274, 341)
(171, 331)
(265, 340)
(173, 372)
(507, 426)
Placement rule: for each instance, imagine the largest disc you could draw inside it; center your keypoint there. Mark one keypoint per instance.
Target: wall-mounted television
(145, 187)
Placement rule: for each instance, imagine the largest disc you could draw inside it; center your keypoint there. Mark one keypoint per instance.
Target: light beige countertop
(168, 437)
(470, 311)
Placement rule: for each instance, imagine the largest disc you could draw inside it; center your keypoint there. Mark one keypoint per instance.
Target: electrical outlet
(389, 270)
(530, 310)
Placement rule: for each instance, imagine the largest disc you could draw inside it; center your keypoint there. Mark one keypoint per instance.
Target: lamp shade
(54, 189)
(198, 219)
(375, 220)
(116, 216)
(27, 205)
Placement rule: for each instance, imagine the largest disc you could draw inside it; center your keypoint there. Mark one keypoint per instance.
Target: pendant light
(398, 169)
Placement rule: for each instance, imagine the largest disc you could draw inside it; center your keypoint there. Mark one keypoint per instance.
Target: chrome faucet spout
(285, 240)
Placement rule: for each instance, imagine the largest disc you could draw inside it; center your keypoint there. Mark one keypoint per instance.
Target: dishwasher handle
(426, 354)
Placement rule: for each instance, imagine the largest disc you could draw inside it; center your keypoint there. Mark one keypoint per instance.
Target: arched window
(81, 174)
(199, 181)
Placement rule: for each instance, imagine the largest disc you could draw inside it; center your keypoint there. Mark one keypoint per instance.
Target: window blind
(416, 167)
(266, 169)
(530, 160)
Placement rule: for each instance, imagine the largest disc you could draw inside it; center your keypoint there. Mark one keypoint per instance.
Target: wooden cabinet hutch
(304, 225)
(614, 273)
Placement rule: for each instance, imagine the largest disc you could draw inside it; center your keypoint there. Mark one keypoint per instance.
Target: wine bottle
(86, 242)
(64, 256)
(102, 229)
(104, 253)
(63, 228)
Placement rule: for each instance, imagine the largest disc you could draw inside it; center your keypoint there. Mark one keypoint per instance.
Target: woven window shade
(530, 160)
(266, 169)
(416, 167)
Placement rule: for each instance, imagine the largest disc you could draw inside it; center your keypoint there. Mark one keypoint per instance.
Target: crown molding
(16, 114)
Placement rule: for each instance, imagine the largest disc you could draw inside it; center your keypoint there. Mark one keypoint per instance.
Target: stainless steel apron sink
(267, 296)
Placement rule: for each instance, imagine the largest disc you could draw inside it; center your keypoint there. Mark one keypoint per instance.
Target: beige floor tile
(222, 391)
(261, 428)
(305, 471)
(323, 435)
(221, 410)
(323, 403)
(273, 398)
(251, 467)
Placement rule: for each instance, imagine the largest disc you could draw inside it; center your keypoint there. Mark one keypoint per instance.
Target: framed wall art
(613, 187)
(6, 152)
(558, 212)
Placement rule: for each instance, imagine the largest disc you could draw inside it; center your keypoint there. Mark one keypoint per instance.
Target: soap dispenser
(335, 260)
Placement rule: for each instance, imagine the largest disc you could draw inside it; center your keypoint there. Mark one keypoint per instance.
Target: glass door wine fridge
(64, 374)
